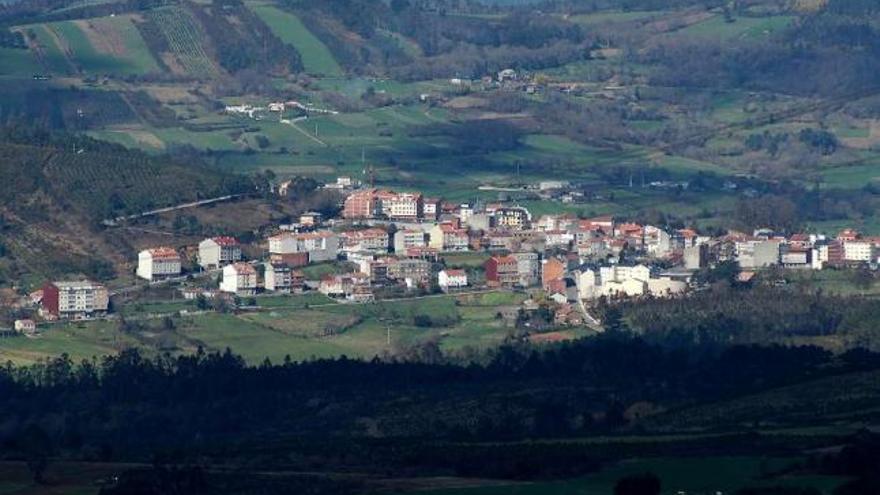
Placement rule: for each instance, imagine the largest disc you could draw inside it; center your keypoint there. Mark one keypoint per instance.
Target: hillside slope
(53, 195)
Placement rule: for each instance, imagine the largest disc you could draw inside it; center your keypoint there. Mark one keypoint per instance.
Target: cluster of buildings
(400, 239)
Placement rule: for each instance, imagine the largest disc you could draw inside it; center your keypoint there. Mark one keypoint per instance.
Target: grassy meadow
(300, 326)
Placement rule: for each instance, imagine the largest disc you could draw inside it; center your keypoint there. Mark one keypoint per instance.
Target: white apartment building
(218, 251)
(860, 250)
(321, 245)
(401, 205)
(239, 279)
(157, 263)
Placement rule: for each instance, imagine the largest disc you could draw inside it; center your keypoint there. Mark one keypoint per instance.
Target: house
(75, 299)
(452, 279)
(552, 269)
(431, 208)
(372, 240)
(447, 237)
(377, 270)
(278, 278)
(558, 238)
(604, 224)
(25, 326)
(361, 204)
(796, 257)
(567, 315)
(754, 253)
(502, 271)
(218, 251)
(506, 75)
(311, 219)
(401, 206)
(158, 263)
(239, 279)
(371, 203)
(345, 285)
(500, 241)
(512, 217)
(416, 271)
(298, 249)
(528, 267)
(409, 238)
(696, 256)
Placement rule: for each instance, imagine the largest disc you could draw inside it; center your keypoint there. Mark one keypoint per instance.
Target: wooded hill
(56, 190)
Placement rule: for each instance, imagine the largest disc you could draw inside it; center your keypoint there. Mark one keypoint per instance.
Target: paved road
(111, 222)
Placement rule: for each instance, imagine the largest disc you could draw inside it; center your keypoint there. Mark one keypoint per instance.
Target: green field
(742, 28)
(79, 340)
(300, 326)
(316, 58)
(122, 51)
(613, 17)
(51, 56)
(18, 62)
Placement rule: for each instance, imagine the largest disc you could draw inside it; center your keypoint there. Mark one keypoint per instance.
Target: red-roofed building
(218, 251)
(552, 270)
(502, 271)
(452, 279)
(157, 263)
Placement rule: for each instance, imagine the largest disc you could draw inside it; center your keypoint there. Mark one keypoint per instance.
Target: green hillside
(316, 58)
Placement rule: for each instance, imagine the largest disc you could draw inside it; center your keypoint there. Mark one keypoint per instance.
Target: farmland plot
(184, 41)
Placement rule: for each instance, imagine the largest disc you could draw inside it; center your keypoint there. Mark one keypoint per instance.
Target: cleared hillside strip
(316, 57)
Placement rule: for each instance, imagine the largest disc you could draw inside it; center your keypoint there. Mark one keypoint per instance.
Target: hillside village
(401, 244)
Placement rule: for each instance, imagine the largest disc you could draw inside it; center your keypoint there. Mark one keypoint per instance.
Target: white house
(218, 251)
(240, 279)
(25, 326)
(160, 262)
(452, 279)
(321, 246)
